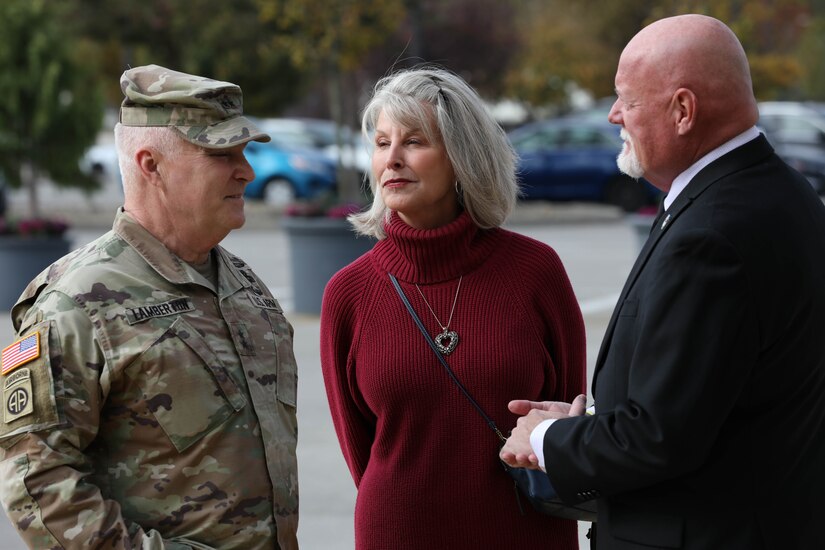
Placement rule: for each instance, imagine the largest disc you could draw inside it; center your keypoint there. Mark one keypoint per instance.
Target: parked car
(574, 159)
(797, 132)
(320, 134)
(100, 161)
(283, 174)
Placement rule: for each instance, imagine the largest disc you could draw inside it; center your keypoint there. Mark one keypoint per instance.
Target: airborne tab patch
(172, 307)
(21, 352)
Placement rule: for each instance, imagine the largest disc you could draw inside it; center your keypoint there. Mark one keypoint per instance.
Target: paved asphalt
(596, 245)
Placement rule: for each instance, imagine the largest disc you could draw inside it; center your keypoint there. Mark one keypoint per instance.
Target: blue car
(283, 174)
(574, 159)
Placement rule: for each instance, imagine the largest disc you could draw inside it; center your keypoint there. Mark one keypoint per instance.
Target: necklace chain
(452, 309)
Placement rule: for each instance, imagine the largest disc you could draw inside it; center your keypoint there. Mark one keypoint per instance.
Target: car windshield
(315, 134)
(555, 136)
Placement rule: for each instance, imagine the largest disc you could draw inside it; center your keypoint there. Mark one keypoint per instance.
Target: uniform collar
(170, 266)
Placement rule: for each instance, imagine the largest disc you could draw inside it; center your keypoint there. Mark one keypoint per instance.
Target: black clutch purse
(531, 484)
(535, 486)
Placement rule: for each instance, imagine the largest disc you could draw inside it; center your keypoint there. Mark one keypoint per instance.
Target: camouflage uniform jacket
(159, 413)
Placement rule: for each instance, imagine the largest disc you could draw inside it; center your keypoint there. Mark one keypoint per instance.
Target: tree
(474, 38)
(222, 40)
(51, 111)
(811, 52)
(331, 38)
(580, 42)
(569, 45)
(769, 33)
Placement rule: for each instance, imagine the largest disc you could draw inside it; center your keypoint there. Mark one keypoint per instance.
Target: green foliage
(811, 53)
(553, 55)
(223, 40)
(330, 39)
(318, 31)
(769, 32)
(50, 111)
(235, 46)
(580, 42)
(324, 55)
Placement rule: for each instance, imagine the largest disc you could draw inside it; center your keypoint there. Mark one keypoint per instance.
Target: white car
(797, 132)
(100, 161)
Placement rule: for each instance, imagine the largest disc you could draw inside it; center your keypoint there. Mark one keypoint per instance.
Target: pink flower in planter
(316, 210)
(342, 210)
(34, 227)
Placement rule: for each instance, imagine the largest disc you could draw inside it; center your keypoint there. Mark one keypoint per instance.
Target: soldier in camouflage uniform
(149, 400)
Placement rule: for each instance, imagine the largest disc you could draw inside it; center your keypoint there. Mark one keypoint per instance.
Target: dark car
(574, 159)
(283, 174)
(797, 132)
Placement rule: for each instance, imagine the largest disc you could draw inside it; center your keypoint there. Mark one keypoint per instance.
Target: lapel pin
(667, 219)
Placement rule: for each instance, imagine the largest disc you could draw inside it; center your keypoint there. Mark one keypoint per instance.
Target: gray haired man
(161, 391)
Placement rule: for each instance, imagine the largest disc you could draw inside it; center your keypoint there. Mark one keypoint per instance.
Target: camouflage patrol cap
(206, 112)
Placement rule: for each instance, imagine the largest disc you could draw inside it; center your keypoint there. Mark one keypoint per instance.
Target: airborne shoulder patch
(27, 389)
(17, 395)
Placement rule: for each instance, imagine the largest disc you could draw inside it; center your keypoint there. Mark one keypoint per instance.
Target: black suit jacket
(709, 430)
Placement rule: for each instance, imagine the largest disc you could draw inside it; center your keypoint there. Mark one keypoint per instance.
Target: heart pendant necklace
(448, 339)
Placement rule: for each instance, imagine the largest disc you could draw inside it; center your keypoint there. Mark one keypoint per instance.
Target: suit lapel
(656, 233)
(751, 153)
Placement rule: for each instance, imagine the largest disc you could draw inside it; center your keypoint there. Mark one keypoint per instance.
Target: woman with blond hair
(498, 305)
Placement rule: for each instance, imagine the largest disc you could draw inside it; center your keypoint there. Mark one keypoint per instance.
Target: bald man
(709, 424)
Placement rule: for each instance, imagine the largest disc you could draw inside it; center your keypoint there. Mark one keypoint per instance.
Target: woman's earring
(460, 192)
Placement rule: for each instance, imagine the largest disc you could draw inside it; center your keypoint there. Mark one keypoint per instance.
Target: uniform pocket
(287, 367)
(188, 389)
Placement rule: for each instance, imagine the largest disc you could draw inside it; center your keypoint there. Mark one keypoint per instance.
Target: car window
(544, 138)
(770, 124)
(292, 139)
(578, 137)
(792, 129)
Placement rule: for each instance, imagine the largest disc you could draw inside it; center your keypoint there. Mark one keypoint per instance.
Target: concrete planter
(318, 248)
(22, 258)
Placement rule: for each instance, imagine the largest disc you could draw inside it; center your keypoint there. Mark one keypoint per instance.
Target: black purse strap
(443, 361)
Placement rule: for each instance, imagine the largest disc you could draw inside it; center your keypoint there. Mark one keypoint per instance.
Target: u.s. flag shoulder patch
(21, 352)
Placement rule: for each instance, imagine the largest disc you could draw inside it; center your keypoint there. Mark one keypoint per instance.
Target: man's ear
(684, 110)
(147, 162)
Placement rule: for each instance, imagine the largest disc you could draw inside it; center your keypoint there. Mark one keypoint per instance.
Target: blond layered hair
(449, 112)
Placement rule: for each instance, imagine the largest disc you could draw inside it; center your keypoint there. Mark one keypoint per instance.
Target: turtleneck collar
(430, 256)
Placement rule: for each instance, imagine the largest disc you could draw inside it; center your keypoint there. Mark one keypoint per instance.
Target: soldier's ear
(147, 163)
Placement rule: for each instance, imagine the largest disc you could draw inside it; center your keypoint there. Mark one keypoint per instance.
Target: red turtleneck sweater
(424, 461)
